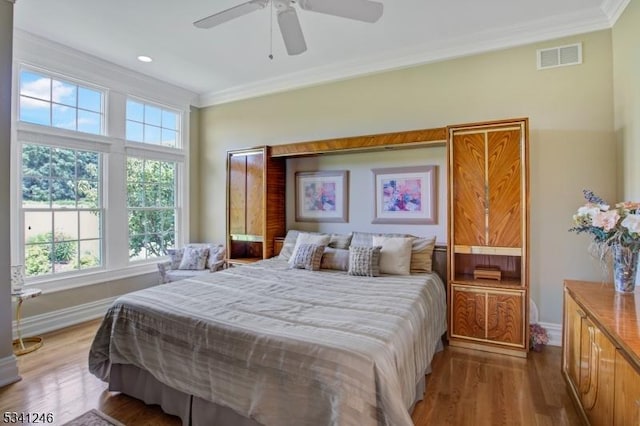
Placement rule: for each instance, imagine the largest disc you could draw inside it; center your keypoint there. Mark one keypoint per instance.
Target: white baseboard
(55, 320)
(8, 370)
(554, 331)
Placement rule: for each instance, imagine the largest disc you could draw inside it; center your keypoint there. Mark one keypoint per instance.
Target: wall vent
(560, 56)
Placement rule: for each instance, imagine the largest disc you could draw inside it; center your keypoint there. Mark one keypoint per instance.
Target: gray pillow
(364, 261)
(308, 256)
(337, 259)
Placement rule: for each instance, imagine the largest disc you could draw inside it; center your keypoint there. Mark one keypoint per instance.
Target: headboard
(439, 261)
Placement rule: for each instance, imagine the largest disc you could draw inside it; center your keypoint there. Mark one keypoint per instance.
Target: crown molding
(535, 31)
(613, 9)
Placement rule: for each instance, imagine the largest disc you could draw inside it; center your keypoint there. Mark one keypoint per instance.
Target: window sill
(55, 284)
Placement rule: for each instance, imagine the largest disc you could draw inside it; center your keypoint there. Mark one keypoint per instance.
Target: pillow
(176, 257)
(340, 241)
(288, 244)
(337, 259)
(308, 257)
(216, 257)
(395, 255)
(422, 254)
(194, 258)
(366, 238)
(309, 238)
(364, 261)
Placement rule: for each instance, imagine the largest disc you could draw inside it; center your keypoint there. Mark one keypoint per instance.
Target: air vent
(560, 56)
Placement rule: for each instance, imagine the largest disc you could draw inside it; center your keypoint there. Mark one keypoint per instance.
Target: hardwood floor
(466, 387)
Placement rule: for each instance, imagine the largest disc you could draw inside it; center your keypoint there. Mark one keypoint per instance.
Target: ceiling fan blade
(360, 10)
(291, 31)
(229, 14)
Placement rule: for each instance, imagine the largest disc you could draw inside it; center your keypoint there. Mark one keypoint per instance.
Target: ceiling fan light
(291, 31)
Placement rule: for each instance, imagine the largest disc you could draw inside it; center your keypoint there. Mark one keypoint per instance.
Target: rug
(93, 418)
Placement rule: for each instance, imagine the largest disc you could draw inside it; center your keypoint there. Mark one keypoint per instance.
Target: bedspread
(283, 346)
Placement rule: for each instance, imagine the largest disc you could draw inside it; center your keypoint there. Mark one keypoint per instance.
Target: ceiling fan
(360, 10)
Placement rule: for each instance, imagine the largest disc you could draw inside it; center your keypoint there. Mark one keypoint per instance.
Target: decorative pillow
(364, 261)
(366, 238)
(309, 238)
(340, 241)
(395, 255)
(194, 258)
(176, 257)
(337, 259)
(422, 254)
(215, 259)
(308, 256)
(288, 244)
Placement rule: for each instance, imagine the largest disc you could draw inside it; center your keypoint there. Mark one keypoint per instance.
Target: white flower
(632, 223)
(590, 210)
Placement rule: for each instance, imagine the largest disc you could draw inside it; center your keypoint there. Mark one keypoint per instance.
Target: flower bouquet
(537, 337)
(614, 230)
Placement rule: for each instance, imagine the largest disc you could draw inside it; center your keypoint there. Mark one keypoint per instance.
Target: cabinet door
(469, 198)
(255, 194)
(572, 332)
(237, 194)
(505, 321)
(504, 183)
(596, 374)
(627, 393)
(468, 313)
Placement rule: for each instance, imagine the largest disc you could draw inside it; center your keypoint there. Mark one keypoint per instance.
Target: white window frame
(115, 149)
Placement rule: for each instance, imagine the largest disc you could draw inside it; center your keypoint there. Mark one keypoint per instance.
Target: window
(61, 208)
(57, 103)
(152, 124)
(151, 195)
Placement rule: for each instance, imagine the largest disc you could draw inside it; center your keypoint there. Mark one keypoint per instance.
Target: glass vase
(625, 265)
(17, 278)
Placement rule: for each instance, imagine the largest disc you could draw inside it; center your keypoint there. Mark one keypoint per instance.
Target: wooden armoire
(256, 204)
(488, 250)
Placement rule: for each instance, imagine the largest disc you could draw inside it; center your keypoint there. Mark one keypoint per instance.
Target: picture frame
(406, 195)
(322, 196)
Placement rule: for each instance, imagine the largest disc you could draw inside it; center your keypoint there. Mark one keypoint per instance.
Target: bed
(265, 344)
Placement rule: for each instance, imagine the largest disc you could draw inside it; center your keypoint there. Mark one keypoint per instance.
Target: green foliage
(37, 260)
(64, 249)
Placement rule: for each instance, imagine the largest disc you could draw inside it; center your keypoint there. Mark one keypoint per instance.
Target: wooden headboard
(439, 263)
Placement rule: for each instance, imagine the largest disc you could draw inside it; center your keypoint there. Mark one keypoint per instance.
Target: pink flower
(606, 220)
(628, 205)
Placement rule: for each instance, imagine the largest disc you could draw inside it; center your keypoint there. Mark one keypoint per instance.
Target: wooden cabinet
(600, 353)
(488, 229)
(256, 204)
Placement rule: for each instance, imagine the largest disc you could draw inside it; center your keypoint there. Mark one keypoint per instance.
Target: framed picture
(322, 196)
(405, 195)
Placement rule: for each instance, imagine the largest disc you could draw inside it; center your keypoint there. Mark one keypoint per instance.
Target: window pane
(89, 225)
(63, 163)
(90, 254)
(135, 111)
(165, 196)
(135, 194)
(87, 165)
(134, 169)
(35, 192)
(89, 99)
(66, 225)
(65, 253)
(169, 138)
(37, 259)
(151, 195)
(169, 120)
(152, 134)
(36, 160)
(168, 223)
(37, 225)
(65, 93)
(35, 85)
(152, 115)
(63, 193)
(134, 131)
(35, 111)
(88, 194)
(89, 122)
(63, 117)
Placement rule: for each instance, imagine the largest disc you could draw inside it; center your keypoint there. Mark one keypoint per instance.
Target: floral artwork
(322, 196)
(405, 195)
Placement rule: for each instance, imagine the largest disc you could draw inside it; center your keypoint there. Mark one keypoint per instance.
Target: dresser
(601, 352)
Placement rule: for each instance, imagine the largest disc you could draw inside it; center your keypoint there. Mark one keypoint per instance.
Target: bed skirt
(192, 410)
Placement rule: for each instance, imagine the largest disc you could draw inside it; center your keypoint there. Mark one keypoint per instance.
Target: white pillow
(307, 238)
(395, 255)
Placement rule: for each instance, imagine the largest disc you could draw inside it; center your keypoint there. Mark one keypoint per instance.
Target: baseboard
(8, 370)
(554, 331)
(55, 320)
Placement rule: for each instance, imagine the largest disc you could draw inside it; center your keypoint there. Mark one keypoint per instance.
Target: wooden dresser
(601, 352)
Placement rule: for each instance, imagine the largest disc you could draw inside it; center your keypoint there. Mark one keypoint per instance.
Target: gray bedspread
(283, 346)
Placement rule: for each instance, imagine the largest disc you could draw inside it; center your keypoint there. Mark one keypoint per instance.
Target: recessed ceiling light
(143, 58)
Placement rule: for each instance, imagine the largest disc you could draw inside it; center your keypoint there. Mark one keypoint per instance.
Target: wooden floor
(466, 387)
